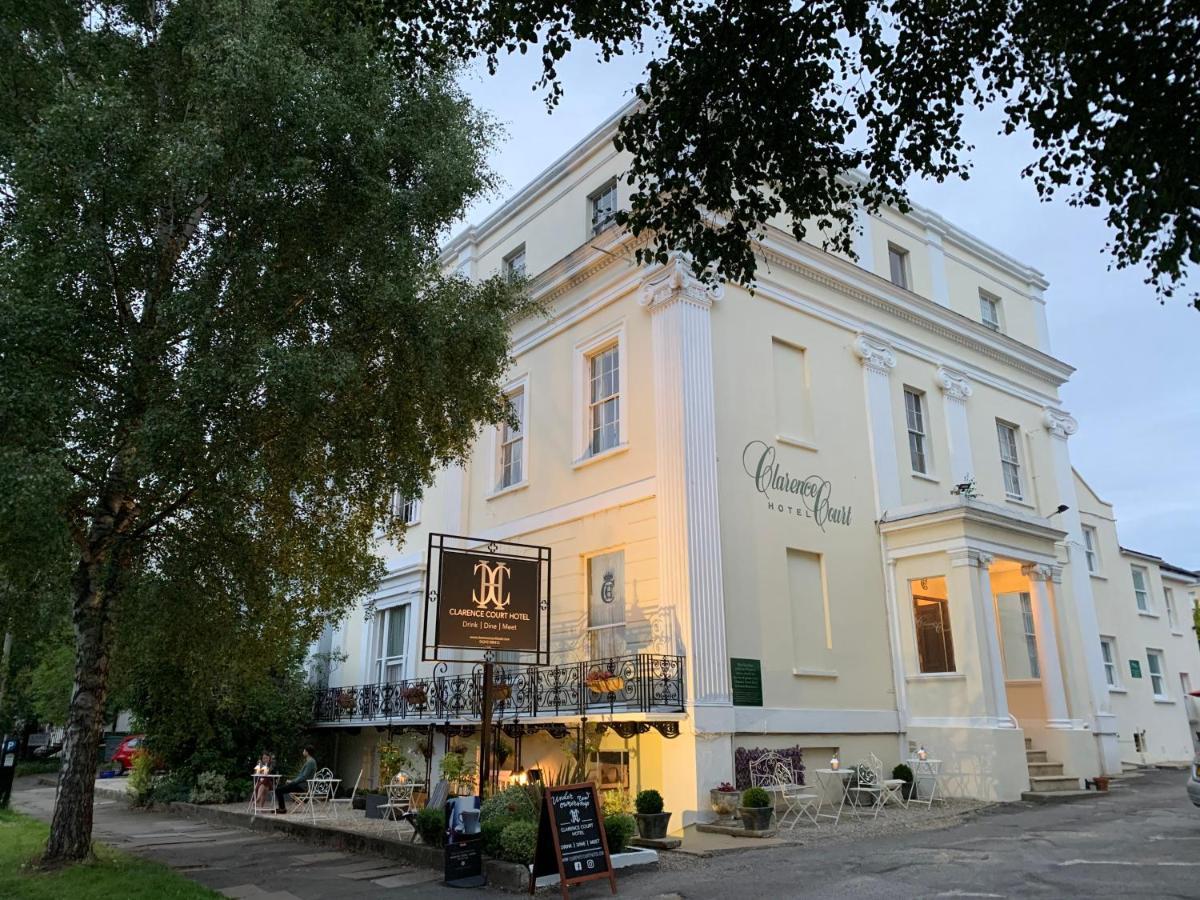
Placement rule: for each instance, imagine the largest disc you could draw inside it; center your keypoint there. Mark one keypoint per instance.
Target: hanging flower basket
(415, 695)
(605, 682)
(347, 702)
(501, 692)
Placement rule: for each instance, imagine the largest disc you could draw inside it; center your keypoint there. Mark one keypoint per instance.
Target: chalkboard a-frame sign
(571, 839)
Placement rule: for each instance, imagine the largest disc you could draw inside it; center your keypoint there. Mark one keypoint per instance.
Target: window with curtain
(391, 629)
(604, 400)
(606, 605)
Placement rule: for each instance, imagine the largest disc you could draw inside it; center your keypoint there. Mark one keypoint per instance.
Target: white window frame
(917, 431)
(408, 510)
(596, 632)
(511, 270)
(1141, 595)
(1111, 661)
(903, 257)
(595, 224)
(612, 335)
(990, 302)
(379, 663)
(1014, 461)
(1169, 604)
(499, 434)
(1159, 688)
(1091, 549)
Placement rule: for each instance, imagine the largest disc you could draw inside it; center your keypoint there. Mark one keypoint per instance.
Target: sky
(1136, 391)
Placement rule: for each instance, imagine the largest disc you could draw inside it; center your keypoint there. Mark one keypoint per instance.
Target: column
(689, 535)
(987, 641)
(1077, 603)
(878, 360)
(1053, 688)
(956, 390)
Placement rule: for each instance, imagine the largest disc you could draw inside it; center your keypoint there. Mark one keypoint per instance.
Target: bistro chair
(320, 790)
(866, 785)
(399, 798)
(436, 800)
(797, 800)
(348, 802)
(764, 769)
(893, 788)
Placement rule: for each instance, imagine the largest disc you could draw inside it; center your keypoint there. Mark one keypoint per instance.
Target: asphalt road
(1140, 841)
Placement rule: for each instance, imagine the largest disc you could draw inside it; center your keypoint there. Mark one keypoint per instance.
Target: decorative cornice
(954, 384)
(677, 282)
(970, 556)
(875, 354)
(1042, 572)
(1058, 423)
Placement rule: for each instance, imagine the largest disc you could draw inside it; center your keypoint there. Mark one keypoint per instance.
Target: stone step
(1044, 783)
(1028, 743)
(1045, 768)
(1059, 796)
(1035, 756)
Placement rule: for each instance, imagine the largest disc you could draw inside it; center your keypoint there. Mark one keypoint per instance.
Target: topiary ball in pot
(904, 773)
(651, 820)
(518, 841)
(619, 829)
(756, 809)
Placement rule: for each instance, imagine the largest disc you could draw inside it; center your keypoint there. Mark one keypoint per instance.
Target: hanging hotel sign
(805, 496)
(491, 598)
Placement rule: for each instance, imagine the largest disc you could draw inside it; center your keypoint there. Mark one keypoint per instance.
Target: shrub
(615, 802)
(170, 788)
(237, 789)
(513, 804)
(649, 803)
(141, 777)
(619, 829)
(903, 772)
(518, 842)
(755, 798)
(491, 830)
(210, 788)
(431, 826)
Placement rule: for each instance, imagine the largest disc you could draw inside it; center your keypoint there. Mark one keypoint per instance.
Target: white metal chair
(321, 788)
(400, 795)
(348, 802)
(797, 800)
(866, 784)
(764, 768)
(893, 788)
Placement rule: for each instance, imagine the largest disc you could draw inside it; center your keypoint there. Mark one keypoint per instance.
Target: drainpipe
(898, 685)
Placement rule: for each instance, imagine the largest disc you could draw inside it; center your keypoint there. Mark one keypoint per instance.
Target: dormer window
(989, 310)
(603, 205)
(898, 266)
(514, 264)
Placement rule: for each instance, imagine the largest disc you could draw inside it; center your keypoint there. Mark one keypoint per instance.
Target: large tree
(751, 108)
(225, 338)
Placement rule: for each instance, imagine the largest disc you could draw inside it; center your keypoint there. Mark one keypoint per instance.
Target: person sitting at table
(299, 784)
(262, 786)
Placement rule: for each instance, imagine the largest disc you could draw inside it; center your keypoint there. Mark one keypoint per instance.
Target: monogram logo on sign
(491, 586)
(607, 587)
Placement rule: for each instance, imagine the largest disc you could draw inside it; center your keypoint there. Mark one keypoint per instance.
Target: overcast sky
(1135, 390)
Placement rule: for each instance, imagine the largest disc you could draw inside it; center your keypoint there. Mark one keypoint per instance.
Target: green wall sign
(745, 676)
(1135, 668)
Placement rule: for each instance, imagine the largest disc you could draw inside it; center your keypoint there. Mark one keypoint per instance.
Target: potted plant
(651, 820)
(457, 772)
(724, 800)
(756, 809)
(904, 773)
(415, 695)
(374, 800)
(604, 681)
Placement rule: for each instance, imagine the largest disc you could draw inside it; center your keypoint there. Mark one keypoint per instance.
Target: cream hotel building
(854, 484)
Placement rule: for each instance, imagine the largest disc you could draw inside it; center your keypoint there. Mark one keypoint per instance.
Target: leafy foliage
(742, 757)
(754, 108)
(141, 776)
(431, 826)
(755, 797)
(619, 829)
(518, 842)
(514, 802)
(649, 802)
(210, 788)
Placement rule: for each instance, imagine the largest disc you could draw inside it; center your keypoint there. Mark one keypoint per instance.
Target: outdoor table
(931, 771)
(271, 782)
(832, 780)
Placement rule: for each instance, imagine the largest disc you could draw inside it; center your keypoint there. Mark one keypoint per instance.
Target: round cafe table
(258, 778)
(927, 771)
(835, 783)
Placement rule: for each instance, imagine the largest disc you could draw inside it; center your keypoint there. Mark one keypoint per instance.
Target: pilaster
(956, 391)
(939, 288)
(1077, 604)
(689, 537)
(1049, 663)
(987, 642)
(878, 360)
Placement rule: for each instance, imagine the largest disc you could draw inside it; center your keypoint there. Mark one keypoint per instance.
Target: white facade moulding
(987, 640)
(878, 360)
(691, 581)
(956, 391)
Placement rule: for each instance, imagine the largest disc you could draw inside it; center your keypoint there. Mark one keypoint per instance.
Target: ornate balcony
(644, 683)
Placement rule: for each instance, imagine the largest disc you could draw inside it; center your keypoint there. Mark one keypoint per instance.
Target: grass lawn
(112, 875)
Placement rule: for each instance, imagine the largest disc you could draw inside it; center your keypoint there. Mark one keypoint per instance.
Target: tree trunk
(92, 587)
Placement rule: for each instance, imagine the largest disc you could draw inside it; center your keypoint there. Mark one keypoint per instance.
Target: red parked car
(122, 758)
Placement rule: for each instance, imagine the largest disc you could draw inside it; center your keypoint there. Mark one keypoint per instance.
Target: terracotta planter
(756, 818)
(606, 685)
(724, 803)
(653, 825)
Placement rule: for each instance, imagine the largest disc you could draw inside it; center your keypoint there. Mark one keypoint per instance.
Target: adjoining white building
(838, 513)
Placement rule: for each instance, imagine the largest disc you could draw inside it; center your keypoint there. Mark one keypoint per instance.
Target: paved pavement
(1140, 841)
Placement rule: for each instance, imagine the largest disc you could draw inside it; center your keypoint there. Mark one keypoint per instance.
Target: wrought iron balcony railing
(640, 683)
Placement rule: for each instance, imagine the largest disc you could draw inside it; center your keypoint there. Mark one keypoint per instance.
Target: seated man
(299, 784)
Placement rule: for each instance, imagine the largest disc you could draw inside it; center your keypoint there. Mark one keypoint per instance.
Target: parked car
(1193, 786)
(122, 758)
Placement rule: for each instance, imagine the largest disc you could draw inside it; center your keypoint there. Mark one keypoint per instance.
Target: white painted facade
(888, 609)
